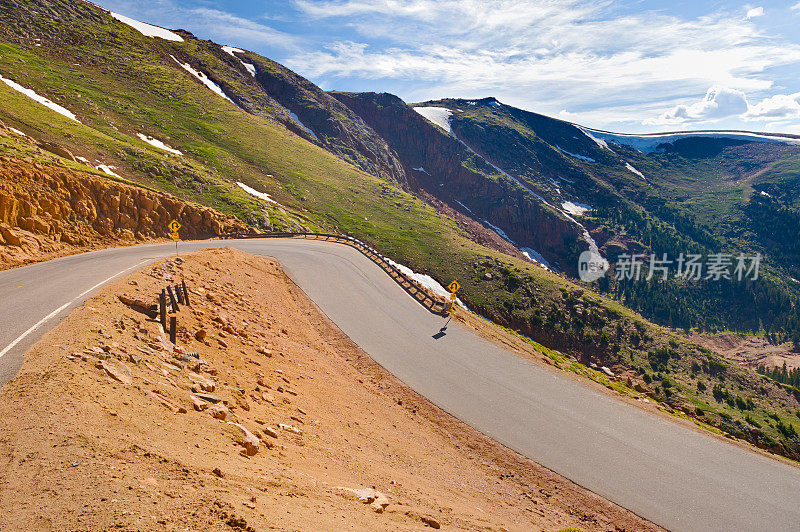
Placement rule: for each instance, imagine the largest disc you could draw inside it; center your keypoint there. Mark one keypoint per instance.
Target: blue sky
(629, 66)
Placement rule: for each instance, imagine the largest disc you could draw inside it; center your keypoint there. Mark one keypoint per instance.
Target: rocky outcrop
(50, 210)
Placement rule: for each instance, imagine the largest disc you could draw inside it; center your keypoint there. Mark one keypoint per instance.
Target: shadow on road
(442, 332)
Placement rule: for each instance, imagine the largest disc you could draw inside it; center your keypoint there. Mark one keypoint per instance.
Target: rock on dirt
(218, 412)
(199, 404)
(431, 522)
(118, 371)
(248, 440)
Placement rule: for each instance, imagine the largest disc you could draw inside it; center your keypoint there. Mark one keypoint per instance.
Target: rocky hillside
(49, 210)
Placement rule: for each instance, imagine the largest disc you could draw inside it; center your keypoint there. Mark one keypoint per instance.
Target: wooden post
(172, 299)
(162, 304)
(173, 328)
(185, 293)
(179, 293)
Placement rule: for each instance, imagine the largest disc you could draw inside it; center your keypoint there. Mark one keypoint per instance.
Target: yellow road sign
(452, 297)
(174, 226)
(454, 287)
(176, 237)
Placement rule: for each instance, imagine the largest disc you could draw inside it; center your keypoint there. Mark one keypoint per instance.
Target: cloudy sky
(629, 66)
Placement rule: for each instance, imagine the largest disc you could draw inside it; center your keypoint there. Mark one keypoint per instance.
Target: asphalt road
(676, 477)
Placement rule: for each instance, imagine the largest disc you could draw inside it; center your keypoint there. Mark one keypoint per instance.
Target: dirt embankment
(48, 210)
(263, 416)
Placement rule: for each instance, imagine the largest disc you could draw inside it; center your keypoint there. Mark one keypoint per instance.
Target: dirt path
(81, 449)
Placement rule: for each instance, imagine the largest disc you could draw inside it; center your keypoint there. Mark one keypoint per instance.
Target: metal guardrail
(433, 304)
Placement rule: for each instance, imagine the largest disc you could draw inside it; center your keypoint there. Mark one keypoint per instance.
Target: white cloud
(547, 56)
(719, 102)
(755, 12)
(605, 65)
(796, 6)
(780, 106)
(723, 102)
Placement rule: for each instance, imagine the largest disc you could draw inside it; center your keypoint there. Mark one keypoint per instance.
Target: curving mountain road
(674, 476)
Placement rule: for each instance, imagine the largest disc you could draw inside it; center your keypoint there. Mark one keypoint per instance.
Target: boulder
(118, 371)
(54, 148)
(218, 412)
(199, 404)
(204, 383)
(290, 428)
(431, 522)
(248, 440)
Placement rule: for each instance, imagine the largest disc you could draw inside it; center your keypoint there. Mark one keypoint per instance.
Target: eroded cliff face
(450, 171)
(49, 210)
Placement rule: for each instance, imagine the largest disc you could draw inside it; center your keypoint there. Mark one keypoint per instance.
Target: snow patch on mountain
(425, 280)
(535, 256)
(530, 253)
(107, 169)
(158, 144)
(630, 167)
(204, 79)
(253, 192)
(581, 157)
(231, 51)
(576, 209)
(297, 121)
(499, 231)
(650, 143)
(30, 93)
(600, 142)
(421, 169)
(148, 30)
(438, 115)
(468, 209)
(17, 131)
(250, 68)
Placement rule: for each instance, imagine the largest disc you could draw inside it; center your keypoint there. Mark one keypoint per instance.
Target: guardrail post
(173, 328)
(162, 304)
(185, 293)
(172, 299)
